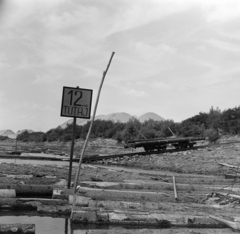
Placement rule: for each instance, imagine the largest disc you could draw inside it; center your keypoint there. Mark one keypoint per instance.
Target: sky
(175, 58)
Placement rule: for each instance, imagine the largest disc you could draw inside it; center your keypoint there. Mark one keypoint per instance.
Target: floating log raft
(17, 228)
(160, 231)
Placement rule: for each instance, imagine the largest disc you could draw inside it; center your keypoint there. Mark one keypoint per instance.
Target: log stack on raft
(162, 143)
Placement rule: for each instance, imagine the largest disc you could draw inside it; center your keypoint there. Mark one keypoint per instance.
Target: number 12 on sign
(76, 102)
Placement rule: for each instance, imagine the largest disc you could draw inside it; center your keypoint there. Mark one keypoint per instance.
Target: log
(232, 176)
(233, 225)
(228, 165)
(80, 200)
(28, 203)
(123, 195)
(17, 228)
(7, 193)
(143, 218)
(229, 195)
(30, 190)
(145, 185)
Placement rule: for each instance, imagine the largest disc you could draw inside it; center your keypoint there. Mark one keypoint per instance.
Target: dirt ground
(198, 173)
(203, 161)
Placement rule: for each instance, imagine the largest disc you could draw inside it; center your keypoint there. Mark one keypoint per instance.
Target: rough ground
(147, 182)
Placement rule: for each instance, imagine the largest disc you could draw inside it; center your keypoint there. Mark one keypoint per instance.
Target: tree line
(211, 125)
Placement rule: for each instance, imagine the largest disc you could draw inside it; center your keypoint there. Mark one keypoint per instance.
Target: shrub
(211, 135)
(2, 138)
(118, 137)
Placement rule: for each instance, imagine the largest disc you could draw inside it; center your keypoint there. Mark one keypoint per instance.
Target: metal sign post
(76, 103)
(71, 153)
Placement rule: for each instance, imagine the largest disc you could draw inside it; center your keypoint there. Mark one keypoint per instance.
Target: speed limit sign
(76, 102)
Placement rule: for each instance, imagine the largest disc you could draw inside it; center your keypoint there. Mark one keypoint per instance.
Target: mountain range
(117, 117)
(10, 134)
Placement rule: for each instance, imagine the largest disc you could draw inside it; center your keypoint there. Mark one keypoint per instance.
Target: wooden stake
(88, 135)
(175, 189)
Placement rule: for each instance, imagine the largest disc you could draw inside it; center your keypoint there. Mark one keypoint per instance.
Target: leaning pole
(88, 135)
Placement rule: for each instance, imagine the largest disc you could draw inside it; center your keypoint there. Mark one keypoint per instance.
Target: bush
(67, 137)
(211, 135)
(118, 137)
(2, 138)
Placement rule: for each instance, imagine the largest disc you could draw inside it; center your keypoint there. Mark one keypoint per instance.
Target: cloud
(221, 10)
(137, 93)
(228, 46)
(15, 11)
(153, 53)
(160, 85)
(3, 98)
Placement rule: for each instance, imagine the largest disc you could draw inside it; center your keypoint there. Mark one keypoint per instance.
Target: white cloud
(224, 45)
(222, 10)
(15, 11)
(139, 12)
(154, 53)
(137, 93)
(2, 97)
(160, 85)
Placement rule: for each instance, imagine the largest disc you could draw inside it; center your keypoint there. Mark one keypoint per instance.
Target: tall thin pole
(71, 154)
(88, 135)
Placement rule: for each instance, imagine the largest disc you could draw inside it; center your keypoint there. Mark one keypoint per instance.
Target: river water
(44, 225)
(36, 162)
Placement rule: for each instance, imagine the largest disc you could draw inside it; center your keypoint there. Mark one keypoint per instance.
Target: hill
(116, 117)
(121, 117)
(9, 133)
(21, 131)
(150, 115)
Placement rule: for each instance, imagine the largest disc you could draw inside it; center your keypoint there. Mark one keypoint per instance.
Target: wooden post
(71, 154)
(66, 226)
(175, 189)
(88, 135)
